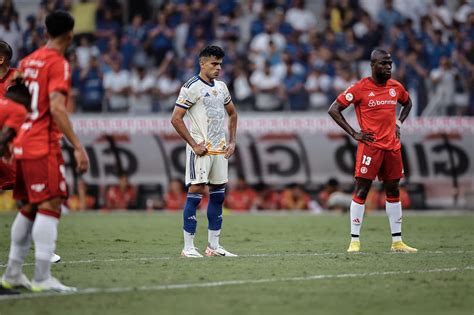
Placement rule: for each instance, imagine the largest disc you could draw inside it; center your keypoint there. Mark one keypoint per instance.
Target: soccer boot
(354, 247)
(16, 282)
(400, 247)
(50, 284)
(55, 258)
(191, 253)
(219, 252)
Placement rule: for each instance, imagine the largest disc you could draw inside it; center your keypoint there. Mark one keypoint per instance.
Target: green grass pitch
(129, 263)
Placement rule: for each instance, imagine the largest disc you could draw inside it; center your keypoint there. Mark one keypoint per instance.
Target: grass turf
(140, 250)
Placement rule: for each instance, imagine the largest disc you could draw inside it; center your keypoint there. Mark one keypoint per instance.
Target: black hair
(59, 23)
(19, 92)
(6, 50)
(377, 51)
(209, 51)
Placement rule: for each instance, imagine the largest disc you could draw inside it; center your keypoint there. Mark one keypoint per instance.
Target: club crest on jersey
(349, 97)
(363, 170)
(214, 92)
(392, 92)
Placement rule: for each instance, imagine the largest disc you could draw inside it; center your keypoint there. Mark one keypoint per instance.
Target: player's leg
(20, 241)
(357, 210)
(20, 244)
(391, 172)
(196, 178)
(368, 161)
(218, 177)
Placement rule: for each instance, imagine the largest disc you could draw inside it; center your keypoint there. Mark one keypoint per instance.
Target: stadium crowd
(280, 55)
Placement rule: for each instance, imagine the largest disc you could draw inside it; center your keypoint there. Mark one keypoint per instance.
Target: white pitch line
(91, 261)
(227, 283)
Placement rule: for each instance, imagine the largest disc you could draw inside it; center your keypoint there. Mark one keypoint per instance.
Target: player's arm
(58, 111)
(406, 108)
(177, 120)
(232, 112)
(6, 136)
(335, 111)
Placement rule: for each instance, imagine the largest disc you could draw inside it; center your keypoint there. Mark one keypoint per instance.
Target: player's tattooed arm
(58, 111)
(335, 111)
(6, 136)
(406, 108)
(177, 120)
(232, 112)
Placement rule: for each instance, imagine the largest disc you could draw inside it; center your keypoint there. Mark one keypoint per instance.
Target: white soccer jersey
(205, 104)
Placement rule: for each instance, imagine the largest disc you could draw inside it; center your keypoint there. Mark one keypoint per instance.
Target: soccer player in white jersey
(206, 100)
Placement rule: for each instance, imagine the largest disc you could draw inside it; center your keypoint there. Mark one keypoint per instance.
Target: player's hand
(200, 149)
(397, 132)
(82, 160)
(364, 136)
(230, 150)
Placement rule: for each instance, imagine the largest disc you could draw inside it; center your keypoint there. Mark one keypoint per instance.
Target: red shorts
(7, 175)
(385, 164)
(40, 179)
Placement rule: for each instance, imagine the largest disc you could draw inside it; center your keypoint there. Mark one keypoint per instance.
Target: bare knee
(197, 188)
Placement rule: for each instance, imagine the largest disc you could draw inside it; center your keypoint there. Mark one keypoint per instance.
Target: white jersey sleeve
(188, 95)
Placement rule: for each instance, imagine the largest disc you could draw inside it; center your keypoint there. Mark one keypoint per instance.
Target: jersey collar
(205, 82)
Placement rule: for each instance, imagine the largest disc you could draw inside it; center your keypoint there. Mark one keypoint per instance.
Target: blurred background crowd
(281, 55)
(131, 57)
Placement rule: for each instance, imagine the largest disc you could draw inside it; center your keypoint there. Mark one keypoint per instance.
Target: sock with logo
(394, 213)
(189, 219)
(214, 215)
(45, 233)
(20, 243)
(357, 216)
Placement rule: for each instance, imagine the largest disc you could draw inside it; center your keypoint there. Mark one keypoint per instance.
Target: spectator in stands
(294, 197)
(389, 17)
(267, 89)
(121, 196)
(175, 197)
(85, 51)
(242, 89)
(81, 200)
(443, 79)
(117, 87)
(142, 85)
(91, 89)
(112, 55)
(442, 16)
(32, 36)
(296, 95)
(318, 86)
(300, 18)
(106, 28)
(160, 38)
(241, 197)
(260, 44)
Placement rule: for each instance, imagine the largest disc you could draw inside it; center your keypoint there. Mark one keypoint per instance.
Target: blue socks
(214, 208)
(189, 213)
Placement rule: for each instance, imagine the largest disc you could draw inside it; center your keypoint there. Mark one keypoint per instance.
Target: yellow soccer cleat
(354, 247)
(400, 247)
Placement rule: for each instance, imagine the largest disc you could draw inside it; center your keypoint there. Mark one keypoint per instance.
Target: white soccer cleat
(17, 282)
(191, 253)
(218, 252)
(50, 284)
(55, 258)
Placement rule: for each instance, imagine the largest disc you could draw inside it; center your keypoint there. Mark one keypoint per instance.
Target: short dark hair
(209, 51)
(19, 92)
(59, 23)
(6, 50)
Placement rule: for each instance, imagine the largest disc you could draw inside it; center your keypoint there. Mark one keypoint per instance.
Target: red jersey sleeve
(59, 77)
(16, 117)
(402, 94)
(349, 96)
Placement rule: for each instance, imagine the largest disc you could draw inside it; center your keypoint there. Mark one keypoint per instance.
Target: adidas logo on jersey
(371, 94)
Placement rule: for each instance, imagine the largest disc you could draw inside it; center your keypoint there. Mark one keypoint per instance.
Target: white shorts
(207, 169)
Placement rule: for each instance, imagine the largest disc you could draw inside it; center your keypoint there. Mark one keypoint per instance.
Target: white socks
(45, 232)
(394, 213)
(188, 240)
(213, 238)
(19, 246)
(357, 216)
